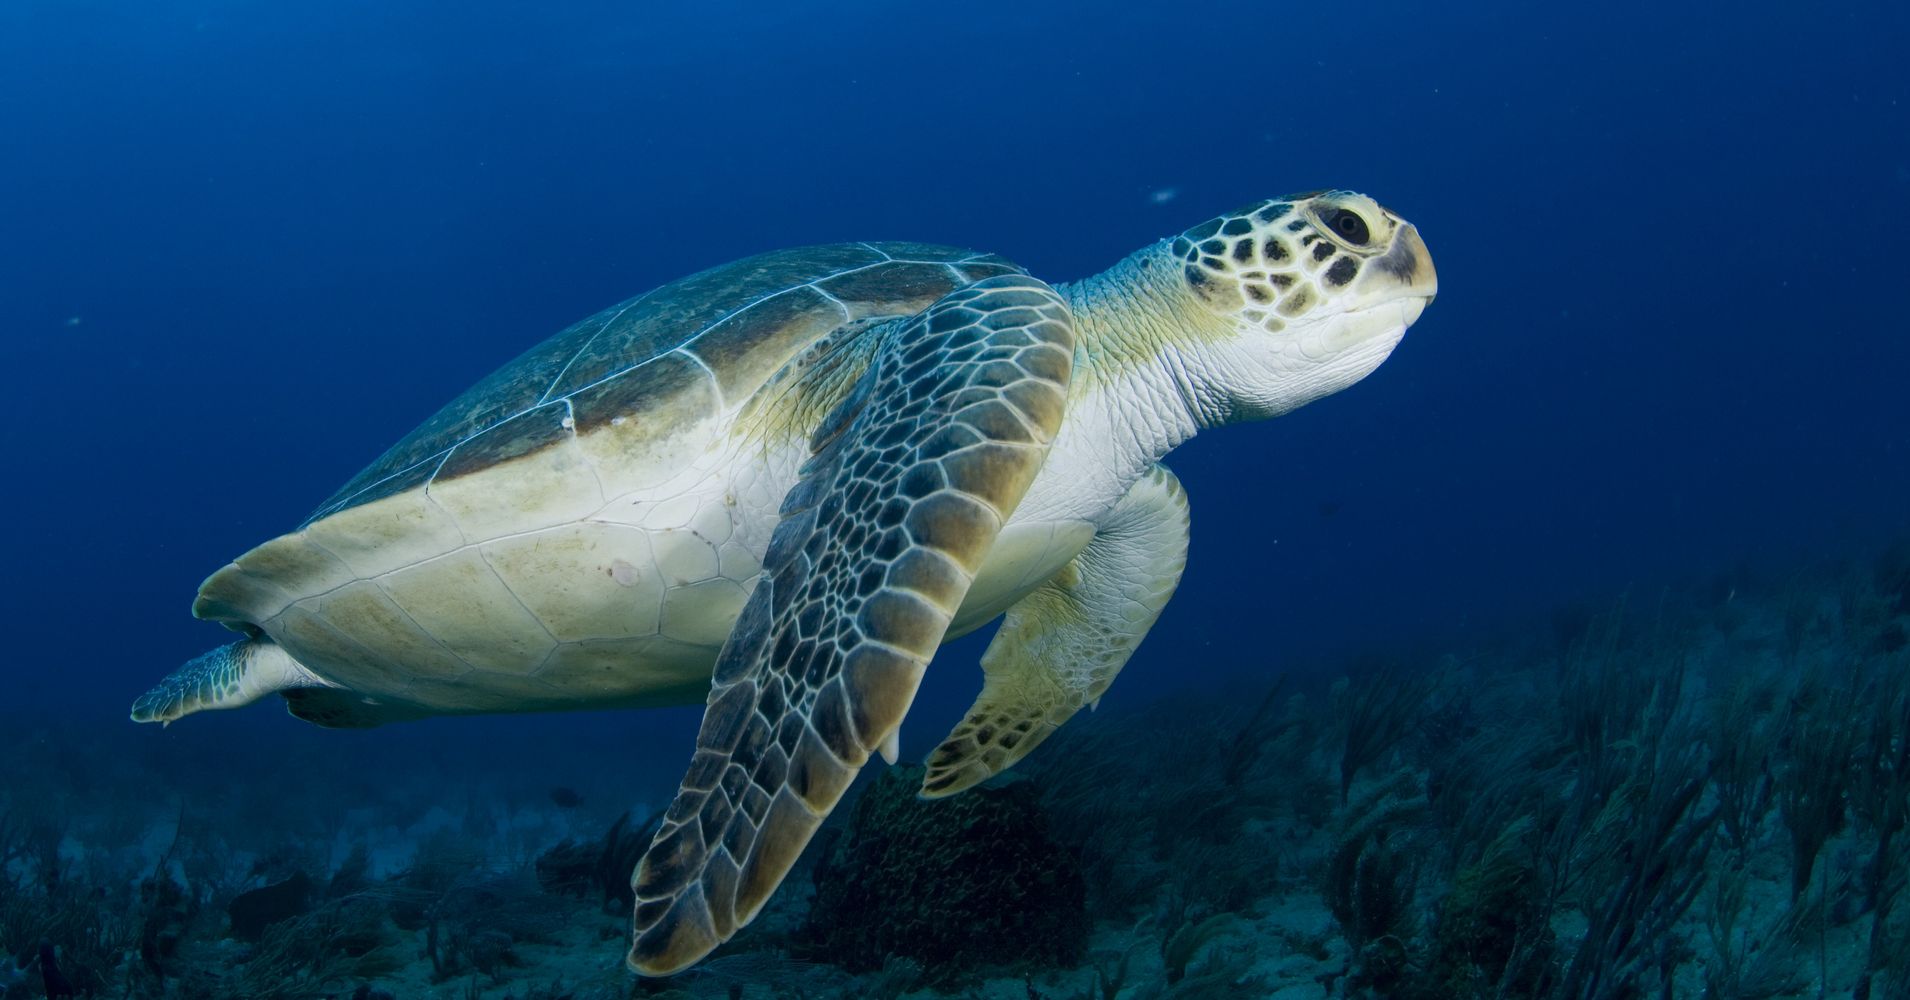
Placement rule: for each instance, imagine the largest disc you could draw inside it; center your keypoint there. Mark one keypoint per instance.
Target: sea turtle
(779, 485)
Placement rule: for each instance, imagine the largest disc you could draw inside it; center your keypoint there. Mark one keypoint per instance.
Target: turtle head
(1311, 292)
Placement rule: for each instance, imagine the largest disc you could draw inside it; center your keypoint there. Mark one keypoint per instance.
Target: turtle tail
(231, 676)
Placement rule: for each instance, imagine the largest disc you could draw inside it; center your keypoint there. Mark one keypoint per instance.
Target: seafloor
(1700, 791)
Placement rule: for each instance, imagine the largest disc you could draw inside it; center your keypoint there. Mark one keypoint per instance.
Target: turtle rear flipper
(338, 708)
(1062, 645)
(231, 676)
(912, 479)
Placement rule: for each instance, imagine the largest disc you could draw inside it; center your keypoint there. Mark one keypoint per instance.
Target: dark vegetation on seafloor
(1700, 793)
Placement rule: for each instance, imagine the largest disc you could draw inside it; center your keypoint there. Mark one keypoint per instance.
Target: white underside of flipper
(1063, 644)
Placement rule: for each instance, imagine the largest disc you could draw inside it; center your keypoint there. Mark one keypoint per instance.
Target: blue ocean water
(244, 246)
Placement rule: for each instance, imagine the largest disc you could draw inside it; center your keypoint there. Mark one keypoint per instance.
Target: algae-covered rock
(956, 884)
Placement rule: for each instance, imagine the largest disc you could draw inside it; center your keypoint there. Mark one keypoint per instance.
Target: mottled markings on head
(1202, 281)
(1322, 250)
(1204, 230)
(1299, 301)
(1259, 293)
(1273, 211)
(1281, 281)
(1342, 271)
(1296, 225)
(1236, 227)
(1243, 251)
(1400, 262)
(1273, 250)
(1213, 248)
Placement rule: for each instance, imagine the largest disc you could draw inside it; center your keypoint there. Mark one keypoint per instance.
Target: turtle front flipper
(911, 480)
(1061, 646)
(235, 674)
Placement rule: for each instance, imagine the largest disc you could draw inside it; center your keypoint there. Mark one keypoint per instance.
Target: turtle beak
(1411, 263)
(1404, 273)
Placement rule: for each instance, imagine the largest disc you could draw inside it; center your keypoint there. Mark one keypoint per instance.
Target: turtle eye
(1347, 225)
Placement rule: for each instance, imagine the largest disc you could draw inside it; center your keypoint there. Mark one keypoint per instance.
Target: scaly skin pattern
(913, 477)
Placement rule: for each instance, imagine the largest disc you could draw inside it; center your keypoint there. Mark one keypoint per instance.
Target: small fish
(1164, 195)
(566, 798)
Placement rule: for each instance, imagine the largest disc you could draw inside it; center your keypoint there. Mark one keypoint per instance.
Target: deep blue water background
(246, 245)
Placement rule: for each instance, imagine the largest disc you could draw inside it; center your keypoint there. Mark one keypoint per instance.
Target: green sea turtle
(779, 485)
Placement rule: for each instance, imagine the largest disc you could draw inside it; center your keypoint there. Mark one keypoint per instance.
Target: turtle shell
(693, 346)
(618, 402)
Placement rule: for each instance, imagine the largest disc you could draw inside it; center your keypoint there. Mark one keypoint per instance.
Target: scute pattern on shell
(698, 342)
